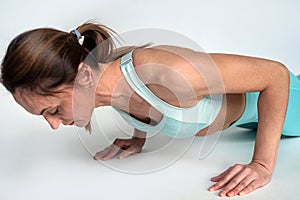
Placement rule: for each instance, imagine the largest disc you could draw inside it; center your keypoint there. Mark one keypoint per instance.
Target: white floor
(38, 163)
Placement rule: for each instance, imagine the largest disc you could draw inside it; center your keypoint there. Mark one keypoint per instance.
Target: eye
(55, 112)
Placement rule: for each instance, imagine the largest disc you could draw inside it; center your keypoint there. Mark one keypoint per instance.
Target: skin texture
(239, 74)
(57, 109)
(63, 106)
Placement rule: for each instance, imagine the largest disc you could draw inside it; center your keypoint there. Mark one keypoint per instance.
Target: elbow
(281, 74)
(280, 66)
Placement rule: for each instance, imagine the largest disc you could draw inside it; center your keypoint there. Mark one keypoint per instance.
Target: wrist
(267, 168)
(140, 141)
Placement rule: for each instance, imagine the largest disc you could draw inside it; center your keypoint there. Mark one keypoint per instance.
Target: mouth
(71, 123)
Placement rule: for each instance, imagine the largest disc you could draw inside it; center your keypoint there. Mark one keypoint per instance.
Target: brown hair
(45, 58)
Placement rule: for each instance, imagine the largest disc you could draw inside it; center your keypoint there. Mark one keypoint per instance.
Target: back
(176, 121)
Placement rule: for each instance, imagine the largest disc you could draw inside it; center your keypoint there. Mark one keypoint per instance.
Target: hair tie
(80, 38)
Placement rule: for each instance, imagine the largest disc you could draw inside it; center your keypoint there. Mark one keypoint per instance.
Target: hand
(123, 147)
(241, 179)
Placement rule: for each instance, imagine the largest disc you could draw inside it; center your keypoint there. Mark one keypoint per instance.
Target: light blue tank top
(176, 122)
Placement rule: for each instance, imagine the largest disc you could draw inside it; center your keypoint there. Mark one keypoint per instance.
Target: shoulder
(221, 72)
(169, 62)
(177, 67)
(169, 72)
(165, 54)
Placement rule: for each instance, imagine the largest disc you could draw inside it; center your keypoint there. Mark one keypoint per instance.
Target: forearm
(272, 106)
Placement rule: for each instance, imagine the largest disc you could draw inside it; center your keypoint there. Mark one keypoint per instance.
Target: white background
(38, 163)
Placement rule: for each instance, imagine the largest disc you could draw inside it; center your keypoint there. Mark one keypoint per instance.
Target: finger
(241, 186)
(220, 176)
(131, 150)
(103, 153)
(250, 188)
(106, 151)
(122, 143)
(236, 185)
(115, 150)
(232, 173)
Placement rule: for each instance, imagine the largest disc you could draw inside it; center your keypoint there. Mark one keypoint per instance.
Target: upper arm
(212, 73)
(246, 74)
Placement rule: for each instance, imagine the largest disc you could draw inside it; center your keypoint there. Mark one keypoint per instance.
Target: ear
(85, 75)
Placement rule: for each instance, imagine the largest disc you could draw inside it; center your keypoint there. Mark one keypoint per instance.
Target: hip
(249, 117)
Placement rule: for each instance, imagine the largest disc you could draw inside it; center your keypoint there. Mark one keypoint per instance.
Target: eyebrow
(42, 112)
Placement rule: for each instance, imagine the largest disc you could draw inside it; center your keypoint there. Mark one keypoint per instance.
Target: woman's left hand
(241, 179)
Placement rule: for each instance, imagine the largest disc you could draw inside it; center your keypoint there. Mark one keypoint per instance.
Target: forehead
(32, 102)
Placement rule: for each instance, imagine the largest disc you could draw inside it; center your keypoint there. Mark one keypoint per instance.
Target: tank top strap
(138, 86)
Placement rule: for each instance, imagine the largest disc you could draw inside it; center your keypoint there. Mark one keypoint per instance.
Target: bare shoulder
(236, 73)
(170, 73)
(168, 54)
(188, 72)
(177, 60)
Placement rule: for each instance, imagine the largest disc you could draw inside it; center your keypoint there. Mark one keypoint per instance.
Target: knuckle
(109, 154)
(129, 151)
(235, 191)
(250, 188)
(242, 185)
(253, 173)
(226, 189)
(116, 141)
(132, 150)
(248, 170)
(224, 181)
(234, 182)
(218, 185)
(238, 166)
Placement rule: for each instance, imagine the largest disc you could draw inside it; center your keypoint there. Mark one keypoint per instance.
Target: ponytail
(99, 41)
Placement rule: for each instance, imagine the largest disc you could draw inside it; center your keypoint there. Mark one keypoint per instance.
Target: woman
(49, 73)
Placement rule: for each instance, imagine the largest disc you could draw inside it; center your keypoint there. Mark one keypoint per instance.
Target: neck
(108, 78)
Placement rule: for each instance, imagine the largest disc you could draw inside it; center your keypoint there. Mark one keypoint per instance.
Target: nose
(54, 122)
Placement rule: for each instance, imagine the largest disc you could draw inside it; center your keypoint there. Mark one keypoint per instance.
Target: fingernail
(242, 193)
(211, 189)
(230, 194)
(222, 194)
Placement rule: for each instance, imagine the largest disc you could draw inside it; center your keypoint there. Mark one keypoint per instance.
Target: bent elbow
(281, 74)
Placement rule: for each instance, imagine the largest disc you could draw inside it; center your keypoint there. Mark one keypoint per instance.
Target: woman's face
(59, 108)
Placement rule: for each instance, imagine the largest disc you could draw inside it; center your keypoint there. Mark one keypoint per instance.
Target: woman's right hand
(121, 148)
